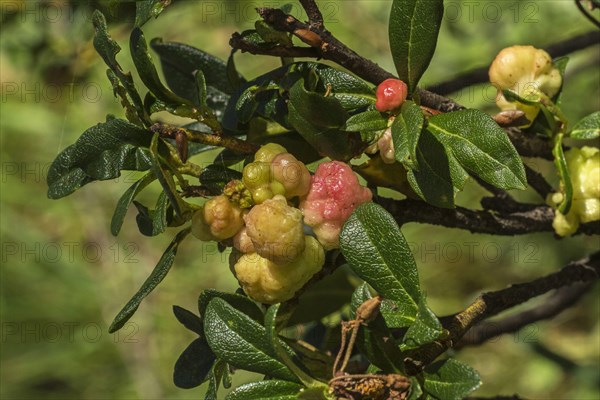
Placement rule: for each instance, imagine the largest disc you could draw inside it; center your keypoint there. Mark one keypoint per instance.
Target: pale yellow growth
(526, 71)
(270, 283)
(584, 169)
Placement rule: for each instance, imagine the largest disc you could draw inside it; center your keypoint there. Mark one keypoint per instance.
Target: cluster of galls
(280, 220)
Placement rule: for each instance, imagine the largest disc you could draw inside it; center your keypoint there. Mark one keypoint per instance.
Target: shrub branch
(492, 303)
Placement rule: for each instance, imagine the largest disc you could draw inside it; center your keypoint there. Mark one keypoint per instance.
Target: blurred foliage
(64, 276)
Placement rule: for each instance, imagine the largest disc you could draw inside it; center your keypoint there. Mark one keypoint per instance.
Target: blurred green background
(64, 276)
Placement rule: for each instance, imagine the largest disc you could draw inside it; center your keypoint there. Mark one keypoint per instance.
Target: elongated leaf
(587, 128)
(188, 319)
(415, 389)
(147, 71)
(108, 50)
(215, 177)
(563, 172)
(101, 153)
(377, 251)
(481, 147)
(239, 302)
(193, 365)
(125, 200)
(218, 373)
(159, 219)
(241, 341)
(318, 120)
(180, 61)
(273, 323)
(450, 380)
(426, 328)
(146, 9)
(321, 111)
(158, 274)
(266, 390)
(413, 31)
(439, 176)
(406, 131)
(371, 120)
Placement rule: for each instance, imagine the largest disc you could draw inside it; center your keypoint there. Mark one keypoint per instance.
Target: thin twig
(558, 302)
(211, 139)
(538, 219)
(315, 17)
(585, 12)
(537, 182)
(493, 303)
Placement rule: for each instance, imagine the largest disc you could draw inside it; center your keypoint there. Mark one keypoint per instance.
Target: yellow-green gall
(276, 230)
(270, 283)
(526, 71)
(219, 219)
(268, 152)
(584, 170)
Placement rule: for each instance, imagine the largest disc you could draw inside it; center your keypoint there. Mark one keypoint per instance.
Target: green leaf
(426, 328)
(266, 390)
(159, 219)
(233, 76)
(374, 338)
(188, 319)
(371, 120)
(144, 219)
(219, 372)
(201, 87)
(415, 389)
(321, 111)
(394, 318)
(563, 172)
(239, 302)
(450, 380)
(272, 35)
(439, 176)
(147, 71)
(108, 50)
(236, 338)
(158, 274)
(587, 128)
(481, 147)
(193, 365)
(413, 31)
(561, 64)
(101, 153)
(146, 9)
(273, 323)
(318, 120)
(180, 61)
(377, 251)
(352, 92)
(406, 131)
(125, 200)
(215, 177)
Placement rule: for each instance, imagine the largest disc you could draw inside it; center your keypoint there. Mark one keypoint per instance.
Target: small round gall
(391, 94)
